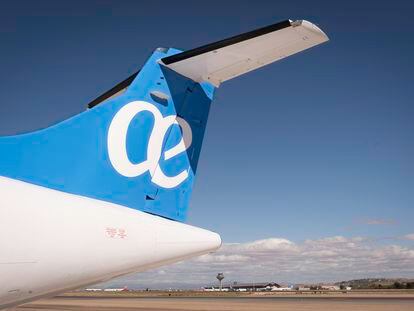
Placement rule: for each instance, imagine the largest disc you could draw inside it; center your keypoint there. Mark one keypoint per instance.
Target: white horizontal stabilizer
(232, 57)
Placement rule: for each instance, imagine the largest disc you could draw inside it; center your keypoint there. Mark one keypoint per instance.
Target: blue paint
(72, 156)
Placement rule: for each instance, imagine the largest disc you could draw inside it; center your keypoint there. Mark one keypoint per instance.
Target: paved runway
(222, 303)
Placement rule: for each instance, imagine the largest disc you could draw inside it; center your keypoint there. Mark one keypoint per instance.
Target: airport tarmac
(281, 303)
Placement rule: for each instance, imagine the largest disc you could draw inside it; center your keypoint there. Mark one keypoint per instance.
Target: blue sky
(318, 145)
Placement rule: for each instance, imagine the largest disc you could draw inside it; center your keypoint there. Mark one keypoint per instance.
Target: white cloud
(214, 258)
(380, 222)
(277, 259)
(273, 244)
(409, 236)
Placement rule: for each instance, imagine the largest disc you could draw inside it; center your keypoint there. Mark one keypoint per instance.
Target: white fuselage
(53, 241)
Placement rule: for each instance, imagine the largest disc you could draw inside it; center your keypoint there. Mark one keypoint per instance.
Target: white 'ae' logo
(117, 137)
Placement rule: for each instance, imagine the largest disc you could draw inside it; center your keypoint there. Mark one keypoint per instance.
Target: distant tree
(409, 285)
(398, 285)
(342, 287)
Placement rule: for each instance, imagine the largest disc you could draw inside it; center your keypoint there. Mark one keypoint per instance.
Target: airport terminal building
(246, 287)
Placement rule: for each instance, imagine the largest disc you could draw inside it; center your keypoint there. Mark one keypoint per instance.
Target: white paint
(53, 241)
(234, 60)
(117, 150)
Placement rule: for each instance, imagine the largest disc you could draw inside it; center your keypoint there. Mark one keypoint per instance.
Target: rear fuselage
(53, 241)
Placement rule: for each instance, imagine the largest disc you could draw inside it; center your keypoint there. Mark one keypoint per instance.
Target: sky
(307, 167)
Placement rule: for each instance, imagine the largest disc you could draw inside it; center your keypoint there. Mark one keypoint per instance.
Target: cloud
(409, 236)
(272, 244)
(277, 259)
(222, 258)
(379, 222)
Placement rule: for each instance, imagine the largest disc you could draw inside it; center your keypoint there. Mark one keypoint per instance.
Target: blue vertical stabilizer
(139, 149)
(140, 142)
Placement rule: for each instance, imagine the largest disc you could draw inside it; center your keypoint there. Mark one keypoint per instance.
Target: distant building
(281, 289)
(330, 287)
(306, 287)
(125, 289)
(215, 289)
(252, 287)
(247, 287)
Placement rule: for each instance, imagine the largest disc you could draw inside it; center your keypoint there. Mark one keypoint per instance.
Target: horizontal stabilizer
(232, 57)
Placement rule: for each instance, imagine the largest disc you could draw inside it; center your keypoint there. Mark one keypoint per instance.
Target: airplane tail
(138, 145)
